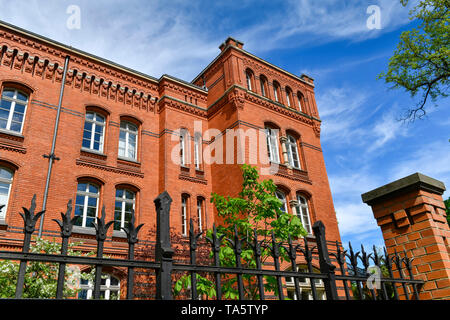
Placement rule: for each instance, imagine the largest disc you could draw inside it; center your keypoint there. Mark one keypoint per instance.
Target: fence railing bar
(29, 219)
(163, 266)
(66, 226)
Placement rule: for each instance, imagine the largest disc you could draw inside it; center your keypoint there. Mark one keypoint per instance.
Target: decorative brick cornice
(171, 102)
(259, 68)
(95, 79)
(192, 179)
(278, 108)
(109, 168)
(13, 148)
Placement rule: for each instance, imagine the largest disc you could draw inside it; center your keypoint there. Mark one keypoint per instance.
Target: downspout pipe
(51, 157)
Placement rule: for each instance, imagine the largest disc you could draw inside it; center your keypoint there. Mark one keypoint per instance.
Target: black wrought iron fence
(329, 271)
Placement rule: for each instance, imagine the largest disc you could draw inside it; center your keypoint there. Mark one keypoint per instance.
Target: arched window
(128, 140)
(94, 131)
(263, 84)
(305, 286)
(12, 109)
(272, 144)
(197, 151)
(6, 178)
(292, 151)
(184, 147)
(276, 91)
(301, 102)
(86, 204)
(282, 197)
(124, 204)
(303, 212)
(289, 97)
(184, 214)
(249, 79)
(200, 212)
(109, 288)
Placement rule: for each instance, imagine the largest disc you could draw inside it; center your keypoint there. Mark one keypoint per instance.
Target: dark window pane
(22, 96)
(15, 126)
(8, 93)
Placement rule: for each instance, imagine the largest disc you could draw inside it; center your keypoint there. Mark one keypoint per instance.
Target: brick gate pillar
(411, 214)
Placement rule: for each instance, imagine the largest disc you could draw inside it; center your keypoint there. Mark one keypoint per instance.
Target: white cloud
(386, 129)
(315, 22)
(354, 218)
(430, 159)
(151, 37)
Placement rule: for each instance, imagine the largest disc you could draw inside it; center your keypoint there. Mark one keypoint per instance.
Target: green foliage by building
(447, 209)
(256, 210)
(421, 62)
(40, 278)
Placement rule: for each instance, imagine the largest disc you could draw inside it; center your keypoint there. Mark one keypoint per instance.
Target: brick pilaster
(411, 214)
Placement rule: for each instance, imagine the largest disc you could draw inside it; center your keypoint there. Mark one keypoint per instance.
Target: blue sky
(364, 144)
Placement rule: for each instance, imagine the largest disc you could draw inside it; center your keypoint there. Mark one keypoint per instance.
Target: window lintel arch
(283, 188)
(304, 193)
(128, 186)
(271, 124)
(97, 109)
(293, 133)
(91, 179)
(18, 85)
(9, 164)
(131, 119)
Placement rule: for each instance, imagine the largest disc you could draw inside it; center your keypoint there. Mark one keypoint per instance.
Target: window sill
(84, 230)
(184, 170)
(199, 173)
(3, 224)
(119, 234)
(134, 161)
(99, 153)
(11, 133)
(92, 154)
(12, 139)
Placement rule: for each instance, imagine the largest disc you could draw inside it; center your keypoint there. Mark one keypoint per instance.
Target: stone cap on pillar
(415, 181)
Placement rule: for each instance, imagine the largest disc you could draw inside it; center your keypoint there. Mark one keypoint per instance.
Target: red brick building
(118, 131)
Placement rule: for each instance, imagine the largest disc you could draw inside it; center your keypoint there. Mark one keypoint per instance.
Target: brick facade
(218, 98)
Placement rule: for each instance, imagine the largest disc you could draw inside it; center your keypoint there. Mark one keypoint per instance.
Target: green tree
(421, 62)
(447, 209)
(40, 278)
(256, 208)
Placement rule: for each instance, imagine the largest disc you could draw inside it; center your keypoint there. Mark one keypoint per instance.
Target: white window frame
(128, 132)
(292, 149)
(95, 124)
(282, 197)
(9, 182)
(197, 152)
(14, 101)
(200, 213)
(275, 91)
(182, 149)
(303, 213)
(123, 201)
(305, 285)
(299, 99)
(248, 76)
(272, 145)
(288, 97)
(107, 287)
(184, 204)
(263, 88)
(86, 196)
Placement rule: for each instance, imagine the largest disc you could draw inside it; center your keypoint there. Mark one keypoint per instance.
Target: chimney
(233, 42)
